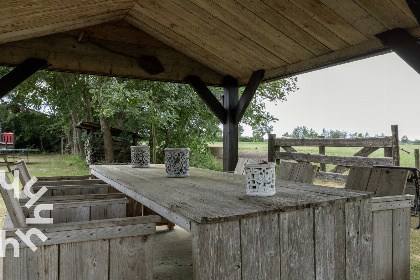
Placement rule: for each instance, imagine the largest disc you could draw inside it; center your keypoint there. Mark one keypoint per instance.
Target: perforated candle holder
(177, 162)
(140, 156)
(260, 178)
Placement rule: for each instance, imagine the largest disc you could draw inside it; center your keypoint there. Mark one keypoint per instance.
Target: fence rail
(343, 163)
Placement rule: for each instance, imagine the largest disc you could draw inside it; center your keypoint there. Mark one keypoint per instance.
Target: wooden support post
(404, 45)
(20, 74)
(417, 158)
(322, 166)
(271, 144)
(230, 128)
(395, 146)
(231, 112)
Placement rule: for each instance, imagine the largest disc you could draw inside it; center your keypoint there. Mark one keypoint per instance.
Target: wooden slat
(41, 264)
(330, 20)
(356, 16)
(216, 250)
(339, 160)
(84, 260)
(284, 25)
(285, 170)
(306, 23)
(217, 21)
(388, 14)
(358, 178)
(359, 239)
(392, 182)
(401, 243)
(330, 228)
(130, 258)
(191, 29)
(14, 210)
(378, 142)
(297, 245)
(364, 152)
(408, 9)
(382, 245)
(260, 249)
(235, 15)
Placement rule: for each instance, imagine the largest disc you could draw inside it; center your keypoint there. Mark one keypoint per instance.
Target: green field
(56, 165)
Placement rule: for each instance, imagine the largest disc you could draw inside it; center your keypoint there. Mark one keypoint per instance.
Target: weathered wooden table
(302, 232)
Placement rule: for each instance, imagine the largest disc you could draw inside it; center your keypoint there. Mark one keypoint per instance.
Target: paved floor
(172, 254)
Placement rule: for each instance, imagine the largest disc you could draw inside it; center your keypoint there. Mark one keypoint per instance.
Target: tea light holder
(260, 178)
(140, 156)
(177, 162)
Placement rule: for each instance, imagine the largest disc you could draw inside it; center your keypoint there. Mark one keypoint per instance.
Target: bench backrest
(302, 172)
(381, 181)
(240, 166)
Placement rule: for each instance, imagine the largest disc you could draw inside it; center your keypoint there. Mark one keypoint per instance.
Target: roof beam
(248, 94)
(19, 74)
(207, 96)
(414, 6)
(404, 45)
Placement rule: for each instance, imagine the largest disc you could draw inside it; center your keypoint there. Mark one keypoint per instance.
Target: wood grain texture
(131, 258)
(84, 260)
(216, 250)
(401, 243)
(297, 245)
(329, 230)
(382, 245)
(260, 247)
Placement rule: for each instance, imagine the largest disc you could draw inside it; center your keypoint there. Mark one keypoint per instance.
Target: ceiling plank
(282, 24)
(330, 20)
(65, 53)
(209, 99)
(266, 58)
(356, 16)
(193, 28)
(404, 45)
(306, 23)
(238, 17)
(20, 74)
(387, 13)
(177, 33)
(248, 94)
(61, 26)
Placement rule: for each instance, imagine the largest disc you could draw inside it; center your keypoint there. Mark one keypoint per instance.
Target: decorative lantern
(177, 162)
(140, 156)
(260, 178)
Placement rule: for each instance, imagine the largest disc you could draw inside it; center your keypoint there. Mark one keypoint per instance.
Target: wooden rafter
(414, 6)
(404, 45)
(248, 94)
(20, 74)
(207, 96)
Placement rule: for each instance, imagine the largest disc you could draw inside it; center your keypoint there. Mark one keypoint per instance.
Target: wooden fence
(343, 163)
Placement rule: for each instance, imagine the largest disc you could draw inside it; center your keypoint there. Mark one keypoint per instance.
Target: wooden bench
(101, 249)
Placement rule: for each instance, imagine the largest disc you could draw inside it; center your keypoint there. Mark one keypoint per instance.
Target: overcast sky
(364, 96)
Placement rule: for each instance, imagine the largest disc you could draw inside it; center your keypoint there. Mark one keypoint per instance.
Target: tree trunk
(108, 143)
(76, 136)
(154, 143)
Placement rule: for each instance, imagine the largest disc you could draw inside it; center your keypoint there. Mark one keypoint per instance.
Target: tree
(405, 140)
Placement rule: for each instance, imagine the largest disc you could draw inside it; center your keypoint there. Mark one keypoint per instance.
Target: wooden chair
(118, 248)
(381, 181)
(302, 172)
(240, 166)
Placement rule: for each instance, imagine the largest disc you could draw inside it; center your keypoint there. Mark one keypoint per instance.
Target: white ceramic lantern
(260, 178)
(140, 156)
(177, 162)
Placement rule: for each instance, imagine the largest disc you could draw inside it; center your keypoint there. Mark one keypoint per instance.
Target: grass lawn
(56, 165)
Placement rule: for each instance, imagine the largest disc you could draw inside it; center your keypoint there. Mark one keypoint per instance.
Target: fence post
(322, 166)
(271, 140)
(395, 146)
(417, 158)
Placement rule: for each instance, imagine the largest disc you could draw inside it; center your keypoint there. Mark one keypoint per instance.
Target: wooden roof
(170, 40)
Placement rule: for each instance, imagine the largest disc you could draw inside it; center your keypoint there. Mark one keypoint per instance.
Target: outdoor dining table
(302, 232)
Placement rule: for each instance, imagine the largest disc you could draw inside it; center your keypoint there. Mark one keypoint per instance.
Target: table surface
(210, 196)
